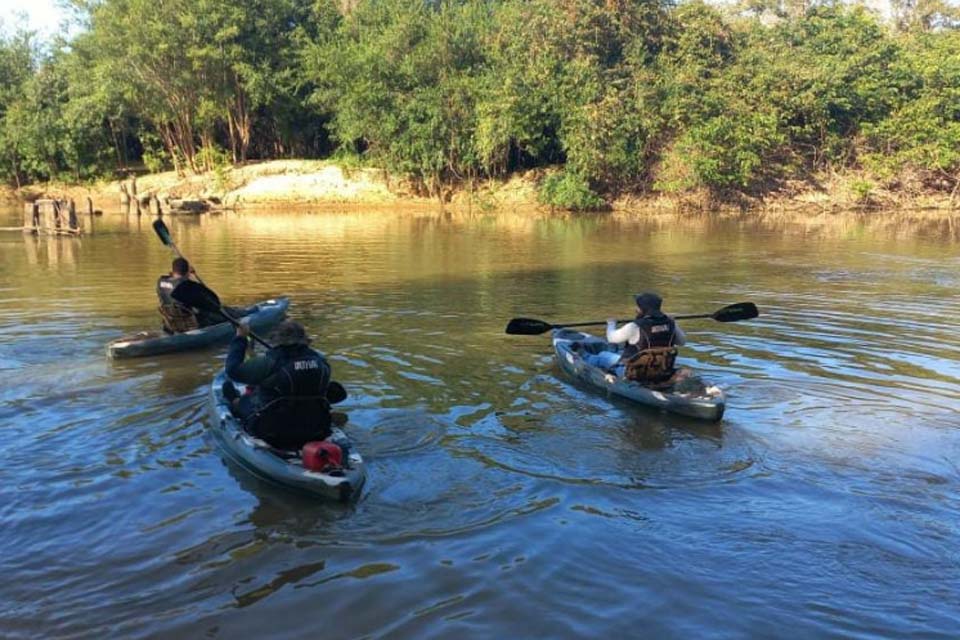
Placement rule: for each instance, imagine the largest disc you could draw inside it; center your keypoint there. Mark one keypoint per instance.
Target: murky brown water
(502, 500)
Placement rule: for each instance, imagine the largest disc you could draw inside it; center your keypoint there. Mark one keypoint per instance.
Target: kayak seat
(654, 366)
(290, 422)
(178, 318)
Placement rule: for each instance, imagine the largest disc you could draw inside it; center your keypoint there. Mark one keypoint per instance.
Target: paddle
(194, 294)
(730, 313)
(164, 234)
(199, 296)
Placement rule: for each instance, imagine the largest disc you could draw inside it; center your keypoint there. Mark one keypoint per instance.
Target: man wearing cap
(288, 407)
(651, 329)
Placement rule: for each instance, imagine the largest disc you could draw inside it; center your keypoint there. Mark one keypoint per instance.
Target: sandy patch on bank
(289, 182)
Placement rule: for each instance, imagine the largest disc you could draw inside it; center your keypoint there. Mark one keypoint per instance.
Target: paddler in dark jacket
(288, 406)
(176, 317)
(651, 329)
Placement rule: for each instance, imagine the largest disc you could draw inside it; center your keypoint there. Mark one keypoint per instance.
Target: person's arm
(254, 370)
(624, 334)
(679, 337)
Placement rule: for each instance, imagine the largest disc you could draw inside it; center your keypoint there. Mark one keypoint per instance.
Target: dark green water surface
(503, 501)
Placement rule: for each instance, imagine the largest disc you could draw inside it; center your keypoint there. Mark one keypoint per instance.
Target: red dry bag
(322, 456)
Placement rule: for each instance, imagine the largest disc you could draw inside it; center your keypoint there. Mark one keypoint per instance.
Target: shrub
(568, 190)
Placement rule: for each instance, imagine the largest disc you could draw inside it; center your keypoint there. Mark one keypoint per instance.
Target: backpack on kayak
(178, 318)
(651, 366)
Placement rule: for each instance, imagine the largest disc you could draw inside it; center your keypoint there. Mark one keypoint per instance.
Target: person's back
(289, 405)
(649, 343)
(176, 317)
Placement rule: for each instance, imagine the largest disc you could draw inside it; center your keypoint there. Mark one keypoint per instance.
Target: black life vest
(293, 408)
(298, 371)
(656, 330)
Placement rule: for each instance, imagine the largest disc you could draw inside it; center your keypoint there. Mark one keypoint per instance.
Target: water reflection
(829, 484)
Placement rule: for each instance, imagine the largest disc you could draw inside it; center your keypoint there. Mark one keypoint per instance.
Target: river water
(503, 500)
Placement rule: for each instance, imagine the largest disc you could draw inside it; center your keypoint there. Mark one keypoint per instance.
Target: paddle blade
(527, 327)
(736, 312)
(162, 232)
(193, 294)
(335, 392)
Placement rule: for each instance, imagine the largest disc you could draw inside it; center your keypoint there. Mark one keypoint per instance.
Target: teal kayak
(261, 317)
(692, 397)
(284, 468)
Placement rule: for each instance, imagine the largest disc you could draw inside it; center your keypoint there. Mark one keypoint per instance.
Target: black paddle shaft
(730, 313)
(198, 296)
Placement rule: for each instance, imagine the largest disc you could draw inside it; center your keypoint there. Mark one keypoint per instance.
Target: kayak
(261, 316)
(689, 397)
(282, 467)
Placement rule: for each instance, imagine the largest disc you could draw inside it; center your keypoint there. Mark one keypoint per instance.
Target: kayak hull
(701, 401)
(257, 457)
(264, 315)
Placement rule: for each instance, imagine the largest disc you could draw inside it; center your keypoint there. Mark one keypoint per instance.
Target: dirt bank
(310, 182)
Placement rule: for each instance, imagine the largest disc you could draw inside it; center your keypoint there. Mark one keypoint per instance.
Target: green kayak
(691, 397)
(261, 316)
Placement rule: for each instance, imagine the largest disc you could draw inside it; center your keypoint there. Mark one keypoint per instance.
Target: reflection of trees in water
(52, 251)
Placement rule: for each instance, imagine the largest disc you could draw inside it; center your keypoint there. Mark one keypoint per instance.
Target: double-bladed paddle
(729, 313)
(196, 294)
(199, 296)
(193, 294)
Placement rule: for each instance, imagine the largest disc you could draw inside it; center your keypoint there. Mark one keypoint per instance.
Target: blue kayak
(261, 317)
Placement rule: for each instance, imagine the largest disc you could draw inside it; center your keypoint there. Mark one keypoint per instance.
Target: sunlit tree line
(619, 95)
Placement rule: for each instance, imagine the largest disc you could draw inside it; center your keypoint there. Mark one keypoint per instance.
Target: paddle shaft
(601, 322)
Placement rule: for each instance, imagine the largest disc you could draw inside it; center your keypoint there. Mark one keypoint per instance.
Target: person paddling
(650, 344)
(288, 406)
(178, 318)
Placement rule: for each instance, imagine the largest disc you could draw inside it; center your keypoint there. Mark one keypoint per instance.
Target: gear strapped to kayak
(683, 393)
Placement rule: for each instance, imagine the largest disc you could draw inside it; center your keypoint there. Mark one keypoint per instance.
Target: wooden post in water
(31, 217)
(89, 206)
(73, 222)
(124, 198)
(48, 216)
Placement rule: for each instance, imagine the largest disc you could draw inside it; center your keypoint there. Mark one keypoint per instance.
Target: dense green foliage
(623, 95)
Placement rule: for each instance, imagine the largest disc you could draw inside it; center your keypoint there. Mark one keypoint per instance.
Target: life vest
(297, 371)
(652, 358)
(176, 317)
(293, 408)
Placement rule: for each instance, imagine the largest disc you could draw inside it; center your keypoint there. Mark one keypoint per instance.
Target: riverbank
(290, 183)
